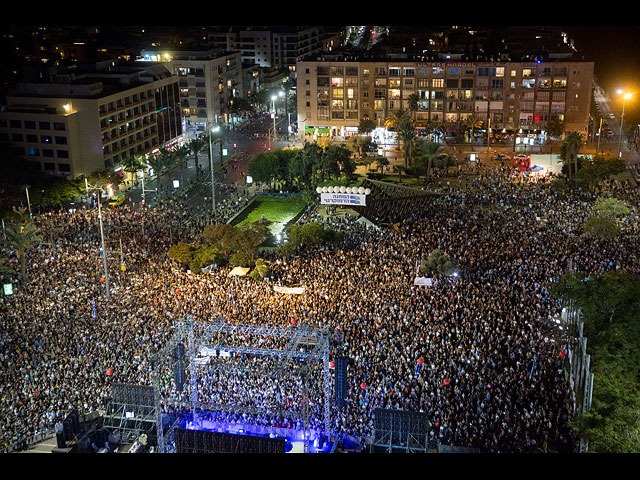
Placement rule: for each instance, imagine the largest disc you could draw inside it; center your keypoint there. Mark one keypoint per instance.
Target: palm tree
(413, 100)
(162, 163)
(473, 123)
(195, 146)
(395, 117)
(407, 133)
(427, 152)
(21, 239)
(132, 165)
(570, 150)
(182, 156)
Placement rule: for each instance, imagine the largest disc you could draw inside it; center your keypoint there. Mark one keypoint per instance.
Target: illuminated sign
(342, 199)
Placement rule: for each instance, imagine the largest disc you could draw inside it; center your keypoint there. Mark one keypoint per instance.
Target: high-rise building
(273, 46)
(209, 80)
(87, 119)
(333, 96)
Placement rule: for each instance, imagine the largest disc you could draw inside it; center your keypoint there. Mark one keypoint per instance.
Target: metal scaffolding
(304, 347)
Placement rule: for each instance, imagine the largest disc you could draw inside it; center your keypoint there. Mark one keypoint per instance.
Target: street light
(104, 250)
(213, 188)
(625, 97)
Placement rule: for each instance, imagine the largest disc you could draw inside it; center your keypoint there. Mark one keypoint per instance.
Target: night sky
(616, 53)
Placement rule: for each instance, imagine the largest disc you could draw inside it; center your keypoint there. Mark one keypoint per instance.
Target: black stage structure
(400, 431)
(391, 203)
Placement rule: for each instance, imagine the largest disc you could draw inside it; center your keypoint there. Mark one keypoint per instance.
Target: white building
(90, 119)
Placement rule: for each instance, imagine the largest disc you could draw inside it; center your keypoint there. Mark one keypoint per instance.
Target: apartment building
(273, 46)
(89, 119)
(208, 79)
(333, 96)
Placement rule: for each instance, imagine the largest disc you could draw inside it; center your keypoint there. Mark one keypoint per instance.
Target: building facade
(274, 47)
(333, 96)
(208, 79)
(78, 123)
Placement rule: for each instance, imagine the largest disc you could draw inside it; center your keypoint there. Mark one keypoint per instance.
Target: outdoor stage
(294, 438)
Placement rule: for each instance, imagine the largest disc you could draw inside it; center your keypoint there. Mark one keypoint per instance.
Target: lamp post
(273, 104)
(28, 201)
(625, 96)
(213, 185)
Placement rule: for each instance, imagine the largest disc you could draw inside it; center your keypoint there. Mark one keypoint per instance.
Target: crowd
(490, 376)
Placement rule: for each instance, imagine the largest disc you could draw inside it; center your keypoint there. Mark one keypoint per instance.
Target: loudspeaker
(340, 381)
(60, 440)
(178, 373)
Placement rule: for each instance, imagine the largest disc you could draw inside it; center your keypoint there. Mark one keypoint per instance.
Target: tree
(132, 165)
(309, 234)
(221, 237)
(437, 263)
(472, 124)
(195, 146)
(162, 163)
(569, 152)
(407, 133)
(20, 239)
(181, 252)
(601, 227)
(262, 270)
(381, 162)
(414, 103)
(603, 222)
(366, 126)
(360, 145)
(610, 306)
(426, 153)
(610, 207)
(394, 119)
(555, 126)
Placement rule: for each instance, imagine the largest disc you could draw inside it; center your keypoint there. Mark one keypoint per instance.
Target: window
(64, 167)
(483, 71)
(15, 123)
(61, 140)
(59, 126)
(62, 153)
(438, 83)
(32, 138)
(498, 71)
(409, 72)
(47, 152)
(29, 124)
(33, 152)
(45, 139)
(394, 71)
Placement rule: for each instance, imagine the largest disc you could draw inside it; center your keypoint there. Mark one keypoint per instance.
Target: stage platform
(294, 438)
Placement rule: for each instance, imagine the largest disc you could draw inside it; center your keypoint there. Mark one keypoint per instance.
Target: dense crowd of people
(476, 352)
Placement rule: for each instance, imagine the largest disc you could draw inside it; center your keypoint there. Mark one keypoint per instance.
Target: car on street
(521, 156)
(612, 116)
(502, 156)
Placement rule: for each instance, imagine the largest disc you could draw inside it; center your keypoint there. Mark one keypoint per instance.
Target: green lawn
(279, 211)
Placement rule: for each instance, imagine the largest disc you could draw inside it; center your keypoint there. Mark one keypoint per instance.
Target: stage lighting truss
(297, 353)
